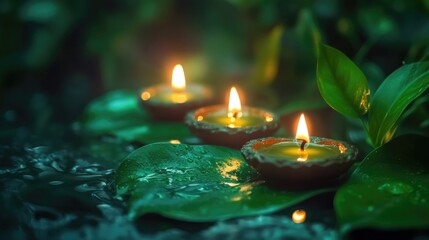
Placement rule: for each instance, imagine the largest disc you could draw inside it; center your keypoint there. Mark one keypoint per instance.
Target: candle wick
(302, 144)
(235, 114)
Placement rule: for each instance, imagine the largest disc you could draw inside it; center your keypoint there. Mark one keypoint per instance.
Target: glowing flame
(299, 216)
(234, 106)
(302, 130)
(178, 78)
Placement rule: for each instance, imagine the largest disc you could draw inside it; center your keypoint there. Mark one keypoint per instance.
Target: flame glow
(302, 130)
(234, 106)
(178, 81)
(299, 216)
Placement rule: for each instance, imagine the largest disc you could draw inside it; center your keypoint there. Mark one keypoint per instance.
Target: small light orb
(299, 216)
(145, 96)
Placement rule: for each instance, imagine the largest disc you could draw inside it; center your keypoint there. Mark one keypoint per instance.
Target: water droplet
(27, 177)
(56, 183)
(90, 186)
(396, 188)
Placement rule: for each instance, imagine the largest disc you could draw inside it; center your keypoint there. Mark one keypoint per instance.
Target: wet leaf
(197, 183)
(117, 113)
(341, 83)
(397, 91)
(389, 189)
(267, 58)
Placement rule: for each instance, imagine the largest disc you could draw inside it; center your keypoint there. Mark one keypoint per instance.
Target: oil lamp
(301, 161)
(172, 102)
(233, 125)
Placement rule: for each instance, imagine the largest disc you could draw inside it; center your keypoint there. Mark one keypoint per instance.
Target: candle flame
(234, 106)
(302, 130)
(299, 216)
(178, 81)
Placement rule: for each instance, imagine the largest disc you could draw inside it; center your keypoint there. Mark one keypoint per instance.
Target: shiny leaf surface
(117, 113)
(389, 190)
(341, 83)
(197, 183)
(393, 96)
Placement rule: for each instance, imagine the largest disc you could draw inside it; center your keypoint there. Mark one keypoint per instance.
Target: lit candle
(172, 102)
(231, 126)
(301, 160)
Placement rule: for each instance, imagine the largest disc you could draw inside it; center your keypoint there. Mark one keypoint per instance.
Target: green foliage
(341, 83)
(197, 183)
(388, 190)
(345, 89)
(306, 29)
(267, 58)
(392, 97)
(117, 113)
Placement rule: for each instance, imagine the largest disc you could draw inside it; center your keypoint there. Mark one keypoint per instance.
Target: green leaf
(117, 113)
(197, 183)
(396, 92)
(267, 58)
(307, 31)
(389, 190)
(341, 83)
(375, 22)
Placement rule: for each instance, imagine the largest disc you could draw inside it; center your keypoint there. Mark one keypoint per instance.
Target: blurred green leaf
(267, 58)
(389, 102)
(375, 22)
(341, 83)
(388, 190)
(198, 184)
(307, 30)
(299, 106)
(117, 113)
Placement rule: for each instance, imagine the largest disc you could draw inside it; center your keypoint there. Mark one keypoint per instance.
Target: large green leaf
(389, 190)
(117, 113)
(396, 92)
(197, 183)
(341, 83)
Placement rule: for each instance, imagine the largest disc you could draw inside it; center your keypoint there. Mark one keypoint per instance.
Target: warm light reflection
(342, 148)
(200, 118)
(179, 97)
(174, 141)
(234, 106)
(269, 118)
(145, 96)
(228, 169)
(303, 156)
(178, 81)
(299, 216)
(302, 130)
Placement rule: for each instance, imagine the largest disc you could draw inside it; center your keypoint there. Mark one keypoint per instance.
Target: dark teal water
(59, 185)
